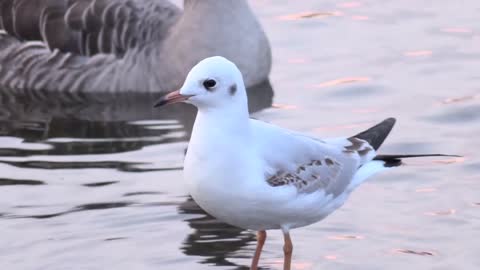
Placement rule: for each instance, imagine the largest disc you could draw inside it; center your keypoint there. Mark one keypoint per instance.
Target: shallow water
(100, 186)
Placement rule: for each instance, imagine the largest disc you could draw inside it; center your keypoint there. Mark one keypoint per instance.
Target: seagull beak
(170, 98)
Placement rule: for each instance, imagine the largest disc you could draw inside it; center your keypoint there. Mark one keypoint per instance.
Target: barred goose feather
(123, 45)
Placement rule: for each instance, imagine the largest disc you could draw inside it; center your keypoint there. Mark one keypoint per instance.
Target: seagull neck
(232, 120)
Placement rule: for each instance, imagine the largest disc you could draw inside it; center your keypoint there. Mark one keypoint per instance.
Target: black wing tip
(385, 157)
(391, 120)
(377, 134)
(396, 160)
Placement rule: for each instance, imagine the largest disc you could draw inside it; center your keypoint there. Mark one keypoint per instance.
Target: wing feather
(89, 26)
(48, 49)
(309, 164)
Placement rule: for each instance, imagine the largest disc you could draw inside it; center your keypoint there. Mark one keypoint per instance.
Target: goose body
(126, 45)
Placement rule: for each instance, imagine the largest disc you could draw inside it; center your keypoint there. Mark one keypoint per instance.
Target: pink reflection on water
(284, 106)
(301, 265)
(331, 257)
(450, 160)
(278, 264)
(460, 99)
(360, 18)
(427, 162)
(345, 237)
(419, 53)
(340, 81)
(425, 190)
(309, 15)
(448, 212)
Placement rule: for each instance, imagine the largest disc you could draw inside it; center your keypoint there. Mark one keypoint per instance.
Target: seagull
(92, 46)
(259, 176)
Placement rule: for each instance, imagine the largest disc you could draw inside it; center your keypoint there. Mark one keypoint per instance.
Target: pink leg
(287, 251)
(261, 236)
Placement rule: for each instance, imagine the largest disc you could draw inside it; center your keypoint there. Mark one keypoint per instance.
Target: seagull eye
(209, 84)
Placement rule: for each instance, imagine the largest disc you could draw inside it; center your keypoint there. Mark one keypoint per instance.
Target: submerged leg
(261, 236)
(287, 251)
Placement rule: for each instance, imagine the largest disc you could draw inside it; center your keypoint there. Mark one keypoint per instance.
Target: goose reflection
(100, 123)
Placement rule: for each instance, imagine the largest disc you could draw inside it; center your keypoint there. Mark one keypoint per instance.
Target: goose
(92, 46)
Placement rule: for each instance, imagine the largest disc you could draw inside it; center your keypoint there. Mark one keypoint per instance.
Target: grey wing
(309, 164)
(318, 174)
(88, 27)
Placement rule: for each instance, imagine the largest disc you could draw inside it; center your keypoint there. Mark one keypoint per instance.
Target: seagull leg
(287, 251)
(261, 236)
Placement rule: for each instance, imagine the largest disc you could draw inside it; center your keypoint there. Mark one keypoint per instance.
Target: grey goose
(89, 46)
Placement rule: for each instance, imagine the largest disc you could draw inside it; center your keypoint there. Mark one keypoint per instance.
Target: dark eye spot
(209, 84)
(233, 89)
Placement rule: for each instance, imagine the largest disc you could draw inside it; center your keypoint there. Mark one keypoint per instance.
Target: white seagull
(258, 176)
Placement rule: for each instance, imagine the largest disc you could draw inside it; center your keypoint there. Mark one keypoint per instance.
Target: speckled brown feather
(308, 177)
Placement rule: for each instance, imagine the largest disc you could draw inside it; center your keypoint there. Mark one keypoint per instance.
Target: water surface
(96, 182)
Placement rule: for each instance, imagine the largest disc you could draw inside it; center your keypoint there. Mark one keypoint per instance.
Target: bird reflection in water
(212, 239)
(44, 115)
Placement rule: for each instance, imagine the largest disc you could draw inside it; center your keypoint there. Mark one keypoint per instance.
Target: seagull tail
(377, 134)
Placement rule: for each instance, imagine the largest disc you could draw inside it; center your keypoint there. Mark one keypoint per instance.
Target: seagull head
(214, 82)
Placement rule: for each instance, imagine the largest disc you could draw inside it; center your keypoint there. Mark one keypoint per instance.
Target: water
(96, 183)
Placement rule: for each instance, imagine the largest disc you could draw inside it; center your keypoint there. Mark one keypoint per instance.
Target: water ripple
(15, 182)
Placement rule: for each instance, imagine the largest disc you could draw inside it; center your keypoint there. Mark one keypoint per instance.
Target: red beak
(170, 98)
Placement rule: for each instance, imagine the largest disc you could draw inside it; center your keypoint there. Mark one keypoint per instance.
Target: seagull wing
(309, 164)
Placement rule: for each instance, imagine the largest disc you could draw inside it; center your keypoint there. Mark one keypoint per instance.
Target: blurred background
(96, 185)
